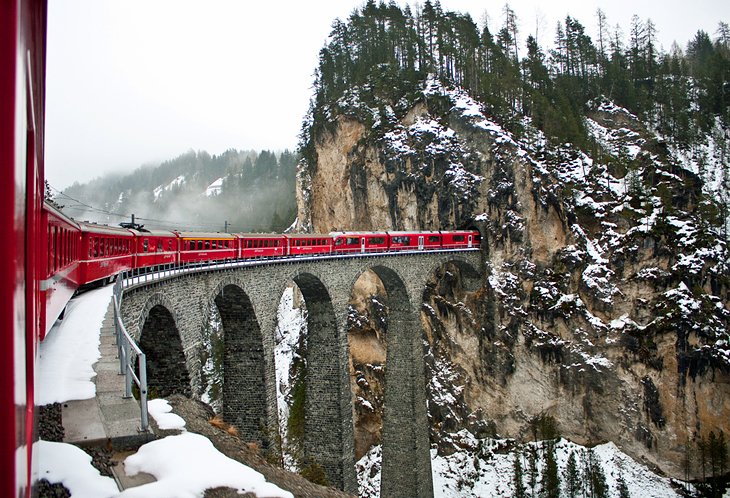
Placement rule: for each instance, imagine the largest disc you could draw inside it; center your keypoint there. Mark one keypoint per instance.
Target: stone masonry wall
(326, 286)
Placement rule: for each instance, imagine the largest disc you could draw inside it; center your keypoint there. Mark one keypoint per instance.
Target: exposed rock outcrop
(606, 299)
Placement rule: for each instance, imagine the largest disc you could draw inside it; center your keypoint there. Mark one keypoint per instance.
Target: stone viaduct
(167, 319)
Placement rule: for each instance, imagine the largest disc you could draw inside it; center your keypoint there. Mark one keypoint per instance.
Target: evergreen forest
(388, 49)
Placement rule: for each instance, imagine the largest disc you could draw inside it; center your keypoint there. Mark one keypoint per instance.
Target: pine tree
(519, 486)
(573, 483)
(596, 478)
(532, 468)
(551, 478)
(623, 488)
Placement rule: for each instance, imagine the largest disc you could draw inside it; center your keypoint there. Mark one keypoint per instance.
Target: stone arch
(470, 276)
(244, 365)
(406, 464)
(160, 340)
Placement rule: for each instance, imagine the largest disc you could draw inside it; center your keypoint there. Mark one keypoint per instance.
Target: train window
(339, 242)
(200, 245)
(401, 240)
(61, 255)
(159, 246)
(96, 247)
(376, 240)
(433, 238)
(145, 245)
(352, 241)
(458, 238)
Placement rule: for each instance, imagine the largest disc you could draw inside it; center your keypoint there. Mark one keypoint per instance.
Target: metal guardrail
(125, 346)
(143, 276)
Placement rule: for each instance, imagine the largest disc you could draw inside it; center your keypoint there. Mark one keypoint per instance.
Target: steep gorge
(605, 303)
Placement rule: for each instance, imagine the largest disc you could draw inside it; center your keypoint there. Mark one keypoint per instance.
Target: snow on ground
(186, 465)
(214, 188)
(488, 470)
(161, 411)
(177, 182)
(291, 323)
(69, 351)
(71, 466)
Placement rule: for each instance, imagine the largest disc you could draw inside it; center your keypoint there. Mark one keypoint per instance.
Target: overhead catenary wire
(163, 224)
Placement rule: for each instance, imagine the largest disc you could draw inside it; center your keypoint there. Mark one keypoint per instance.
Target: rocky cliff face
(605, 303)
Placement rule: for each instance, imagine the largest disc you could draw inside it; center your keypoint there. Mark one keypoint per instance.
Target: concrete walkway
(108, 420)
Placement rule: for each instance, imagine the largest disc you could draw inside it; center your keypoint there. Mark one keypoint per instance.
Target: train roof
(414, 232)
(339, 234)
(261, 235)
(308, 235)
(57, 212)
(87, 227)
(205, 235)
(152, 233)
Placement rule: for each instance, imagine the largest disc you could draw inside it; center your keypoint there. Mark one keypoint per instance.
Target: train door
(420, 242)
(470, 241)
(362, 244)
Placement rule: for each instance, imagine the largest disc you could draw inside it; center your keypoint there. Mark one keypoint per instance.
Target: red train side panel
(22, 100)
(197, 246)
(460, 239)
(306, 244)
(155, 248)
(105, 251)
(354, 242)
(261, 245)
(61, 239)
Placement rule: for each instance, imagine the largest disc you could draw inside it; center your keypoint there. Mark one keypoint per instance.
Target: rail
(142, 276)
(125, 346)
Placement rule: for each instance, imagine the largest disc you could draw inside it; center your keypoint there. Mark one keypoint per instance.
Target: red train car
(105, 251)
(61, 275)
(155, 248)
(414, 241)
(310, 243)
(198, 246)
(460, 239)
(22, 100)
(257, 245)
(362, 242)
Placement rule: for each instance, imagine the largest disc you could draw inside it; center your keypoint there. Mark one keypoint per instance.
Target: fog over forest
(239, 190)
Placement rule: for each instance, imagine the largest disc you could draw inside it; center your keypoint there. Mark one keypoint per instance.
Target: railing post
(118, 334)
(143, 390)
(127, 372)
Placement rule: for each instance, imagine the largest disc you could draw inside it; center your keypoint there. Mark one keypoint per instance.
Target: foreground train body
(22, 112)
(84, 253)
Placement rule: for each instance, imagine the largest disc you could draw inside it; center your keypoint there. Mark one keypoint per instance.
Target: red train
(45, 256)
(84, 253)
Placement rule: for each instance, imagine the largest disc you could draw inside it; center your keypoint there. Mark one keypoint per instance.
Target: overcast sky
(131, 82)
